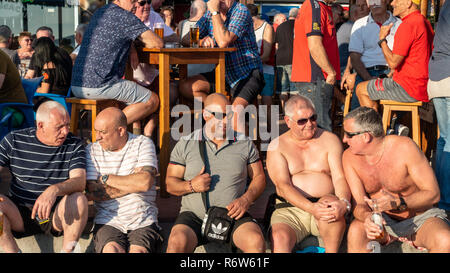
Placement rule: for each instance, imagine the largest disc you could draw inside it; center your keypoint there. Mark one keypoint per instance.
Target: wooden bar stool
(389, 106)
(95, 106)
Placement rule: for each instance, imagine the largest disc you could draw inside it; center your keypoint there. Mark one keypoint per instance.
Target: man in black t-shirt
(284, 38)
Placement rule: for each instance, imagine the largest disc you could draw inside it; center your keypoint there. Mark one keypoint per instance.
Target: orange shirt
(314, 18)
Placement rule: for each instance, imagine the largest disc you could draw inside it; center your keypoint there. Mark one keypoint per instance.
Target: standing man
(48, 177)
(121, 169)
(409, 59)
(5, 42)
(439, 92)
(100, 64)
(229, 23)
(189, 176)
(305, 165)
(284, 40)
(393, 172)
(315, 63)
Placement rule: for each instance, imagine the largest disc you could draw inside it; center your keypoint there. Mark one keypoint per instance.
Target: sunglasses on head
(142, 3)
(221, 115)
(350, 135)
(303, 121)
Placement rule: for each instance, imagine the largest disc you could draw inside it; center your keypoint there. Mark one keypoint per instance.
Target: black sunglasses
(303, 121)
(142, 3)
(350, 135)
(221, 115)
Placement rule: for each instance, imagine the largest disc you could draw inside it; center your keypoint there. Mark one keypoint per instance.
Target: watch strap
(381, 41)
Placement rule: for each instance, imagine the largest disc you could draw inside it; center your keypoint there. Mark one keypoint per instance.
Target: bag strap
(202, 148)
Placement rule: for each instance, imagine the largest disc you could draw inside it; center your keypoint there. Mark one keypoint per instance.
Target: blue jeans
(374, 73)
(321, 94)
(442, 163)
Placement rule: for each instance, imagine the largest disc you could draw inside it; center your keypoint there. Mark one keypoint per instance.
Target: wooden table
(164, 57)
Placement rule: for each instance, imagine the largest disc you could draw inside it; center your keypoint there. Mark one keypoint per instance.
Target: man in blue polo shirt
(100, 64)
(47, 164)
(229, 24)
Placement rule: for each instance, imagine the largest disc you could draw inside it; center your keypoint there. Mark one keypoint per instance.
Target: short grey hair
(43, 112)
(197, 6)
(367, 119)
(81, 28)
(297, 102)
(293, 12)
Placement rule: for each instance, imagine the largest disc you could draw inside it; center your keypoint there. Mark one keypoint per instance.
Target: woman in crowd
(56, 68)
(167, 15)
(25, 52)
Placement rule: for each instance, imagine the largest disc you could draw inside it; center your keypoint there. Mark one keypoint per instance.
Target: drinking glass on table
(194, 36)
(159, 30)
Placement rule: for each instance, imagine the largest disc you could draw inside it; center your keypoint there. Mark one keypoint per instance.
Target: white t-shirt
(134, 210)
(365, 36)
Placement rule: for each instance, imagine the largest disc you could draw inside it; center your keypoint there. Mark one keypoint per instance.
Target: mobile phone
(41, 221)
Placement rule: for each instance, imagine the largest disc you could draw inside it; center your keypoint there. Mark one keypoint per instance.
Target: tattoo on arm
(99, 192)
(150, 169)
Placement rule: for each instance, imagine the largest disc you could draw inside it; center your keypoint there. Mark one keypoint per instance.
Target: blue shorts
(126, 91)
(268, 88)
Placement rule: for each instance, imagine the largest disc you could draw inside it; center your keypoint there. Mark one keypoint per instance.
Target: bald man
(47, 164)
(305, 165)
(121, 170)
(229, 160)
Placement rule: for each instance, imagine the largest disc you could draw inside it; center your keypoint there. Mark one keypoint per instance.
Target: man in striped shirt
(121, 170)
(48, 175)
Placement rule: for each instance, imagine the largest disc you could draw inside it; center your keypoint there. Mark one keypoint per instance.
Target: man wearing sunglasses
(393, 171)
(229, 160)
(100, 65)
(305, 165)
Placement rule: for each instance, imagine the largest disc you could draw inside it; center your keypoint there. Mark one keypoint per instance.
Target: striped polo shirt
(134, 210)
(35, 166)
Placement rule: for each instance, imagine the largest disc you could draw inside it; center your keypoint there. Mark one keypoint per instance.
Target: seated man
(305, 165)
(48, 177)
(408, 59)
(229, 23)
(121, 169)
(100, 64)
(223, 175)
(393, 171)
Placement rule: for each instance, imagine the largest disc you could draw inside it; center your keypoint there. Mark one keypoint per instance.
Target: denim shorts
(284, 84)
(126, 91)
(268, 88)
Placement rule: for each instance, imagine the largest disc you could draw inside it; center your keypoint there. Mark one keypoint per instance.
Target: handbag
(217, 225)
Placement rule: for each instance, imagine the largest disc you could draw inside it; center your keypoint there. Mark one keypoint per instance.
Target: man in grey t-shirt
(228, 163)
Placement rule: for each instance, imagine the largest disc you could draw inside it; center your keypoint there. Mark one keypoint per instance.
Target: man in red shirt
(409, 59)
(315, 62)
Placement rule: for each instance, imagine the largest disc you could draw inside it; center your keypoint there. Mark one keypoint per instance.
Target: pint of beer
(159, 30)
(194, 36)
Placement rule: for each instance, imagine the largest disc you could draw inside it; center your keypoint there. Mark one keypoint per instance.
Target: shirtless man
(305, 165)
(393, 171)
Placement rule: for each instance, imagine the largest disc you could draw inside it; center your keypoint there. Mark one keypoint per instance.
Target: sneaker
(402, 130)
(390, 132)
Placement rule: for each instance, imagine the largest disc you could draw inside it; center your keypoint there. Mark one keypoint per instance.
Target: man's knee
(361, 89)
(282, 235)
(153, 102)
(249, 238)
(181, 238)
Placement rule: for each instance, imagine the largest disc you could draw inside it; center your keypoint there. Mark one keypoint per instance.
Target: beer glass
(194, 36)
(159, 30)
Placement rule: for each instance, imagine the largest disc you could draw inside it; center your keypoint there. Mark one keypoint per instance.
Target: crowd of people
(382, 51)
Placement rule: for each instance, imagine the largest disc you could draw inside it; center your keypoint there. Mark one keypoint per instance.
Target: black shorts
(248, 88)
(32, 226)
(148, 237)
(191, 220)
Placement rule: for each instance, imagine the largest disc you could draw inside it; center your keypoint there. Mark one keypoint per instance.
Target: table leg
(220, 74)
(164, 120)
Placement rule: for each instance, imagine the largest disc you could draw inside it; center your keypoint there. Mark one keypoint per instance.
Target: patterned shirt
(105, 47)
(240, 63)
(134, 210)
(35, 166)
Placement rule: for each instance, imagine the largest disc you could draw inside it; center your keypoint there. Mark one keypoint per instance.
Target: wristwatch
(381, 41)
(214, 13)
(402, 206)
(104, 178)
(348, 206)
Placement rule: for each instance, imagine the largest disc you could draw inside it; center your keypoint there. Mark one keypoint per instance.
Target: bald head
(296, 103)
(113, 117)
(216, 99)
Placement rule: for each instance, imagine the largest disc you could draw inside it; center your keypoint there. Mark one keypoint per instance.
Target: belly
(313, 184)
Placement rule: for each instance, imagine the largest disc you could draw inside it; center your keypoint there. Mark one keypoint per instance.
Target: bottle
(1, 223)
(377, 218)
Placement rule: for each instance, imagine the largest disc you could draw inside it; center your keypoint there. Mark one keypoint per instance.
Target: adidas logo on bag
(217, 231)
